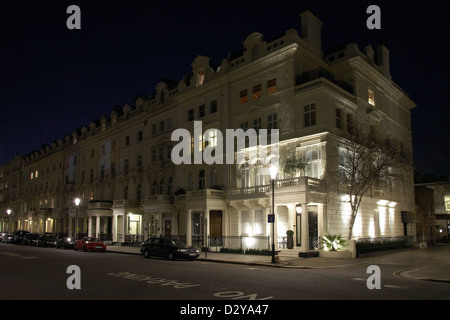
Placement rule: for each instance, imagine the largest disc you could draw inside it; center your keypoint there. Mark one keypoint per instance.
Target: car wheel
(170, 256)
(146, 254)
(84, 248)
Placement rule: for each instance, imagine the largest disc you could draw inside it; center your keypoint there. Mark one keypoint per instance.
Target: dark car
(30, 239)
(46, 240)
(65, 242)
(18, 236)
(168, 248)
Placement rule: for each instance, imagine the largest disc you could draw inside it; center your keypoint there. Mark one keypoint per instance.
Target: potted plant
(290, 239)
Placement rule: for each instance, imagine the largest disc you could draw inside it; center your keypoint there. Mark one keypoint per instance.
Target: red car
(90, 244)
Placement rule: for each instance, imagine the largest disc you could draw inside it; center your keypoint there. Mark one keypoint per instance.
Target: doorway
(215, 227)
(312, 230)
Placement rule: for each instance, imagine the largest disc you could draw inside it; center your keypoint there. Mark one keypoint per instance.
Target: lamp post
(273, 174)
(77, 203)
(9, 213)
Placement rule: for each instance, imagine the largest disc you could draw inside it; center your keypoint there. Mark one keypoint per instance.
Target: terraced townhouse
(120, 165)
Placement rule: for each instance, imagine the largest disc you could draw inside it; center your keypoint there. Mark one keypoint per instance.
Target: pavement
(431, 264)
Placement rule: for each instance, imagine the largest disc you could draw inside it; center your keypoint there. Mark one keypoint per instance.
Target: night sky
(54, 80)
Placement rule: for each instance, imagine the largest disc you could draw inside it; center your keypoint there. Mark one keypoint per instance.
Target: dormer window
(200, 78)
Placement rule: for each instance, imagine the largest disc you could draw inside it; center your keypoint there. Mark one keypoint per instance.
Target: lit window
(213, 138)
(36, 174)
(271, 86)
(256, 92)
(447, 203)
(32, 175)
(200, 78)
(243, 96)
(371, 98)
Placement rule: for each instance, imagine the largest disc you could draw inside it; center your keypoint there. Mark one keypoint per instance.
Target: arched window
(312, 164)
(201, 179)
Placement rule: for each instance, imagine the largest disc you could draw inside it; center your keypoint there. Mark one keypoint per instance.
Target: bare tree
(367, 159)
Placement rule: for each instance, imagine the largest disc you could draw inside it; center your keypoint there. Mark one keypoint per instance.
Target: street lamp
(77, 203)
(9, 222)
(273, 174)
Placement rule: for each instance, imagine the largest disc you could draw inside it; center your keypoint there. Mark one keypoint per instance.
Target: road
(42, 273)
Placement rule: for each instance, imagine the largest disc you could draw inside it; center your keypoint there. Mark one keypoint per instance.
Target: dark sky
(54, 80)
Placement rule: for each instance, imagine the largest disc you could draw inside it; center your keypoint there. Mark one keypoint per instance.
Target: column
(89, 231)
(189, 228)
(321, 223)
(305, 228)
(124, 229)
(206, 228)
(97, 227)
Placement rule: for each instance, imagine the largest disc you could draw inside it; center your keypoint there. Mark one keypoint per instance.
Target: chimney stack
(311, 29)
(383, 59)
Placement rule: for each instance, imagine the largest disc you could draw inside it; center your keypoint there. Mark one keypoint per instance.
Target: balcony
(320, 78)
(295, 185)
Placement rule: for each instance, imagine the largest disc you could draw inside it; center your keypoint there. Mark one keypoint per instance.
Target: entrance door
(313, 230)
(167, 228)
(215, 227)
(298, 230)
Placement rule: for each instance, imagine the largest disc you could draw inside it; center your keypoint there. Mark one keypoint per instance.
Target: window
(161, 186)
(169, 186)
(371, 97)
(139, 162)
(338, 118)
(259, 222)
(244, 125)
(139, 138)
(127, 142)
(127, 165)
(200, 78)
(162, 126)
(154, 187)
(161, 153)
(312, 164)
(257, 124)
(154, 128)
(139, 191)
(256, 92)
(201, 179)
(271, 86)
(154, 154)
(349, 123)
(447, 202)
(310, 115)
(212, 138)
(125, 193)
(245, 223)
(201, 111)
(243, 96)
(191, 115)
(213, 107)
(214, 177)
(272, 122)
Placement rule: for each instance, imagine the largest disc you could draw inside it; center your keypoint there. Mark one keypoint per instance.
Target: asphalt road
(32, 273)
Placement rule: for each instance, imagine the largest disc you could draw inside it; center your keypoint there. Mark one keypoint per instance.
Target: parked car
(46, 240)
(90, 244)
(65, 242)
(18, 236)
(30, 239)
(6, 237)
(168, 248)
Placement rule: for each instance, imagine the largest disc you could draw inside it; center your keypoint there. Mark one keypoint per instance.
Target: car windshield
(175, 242)
(91, 239)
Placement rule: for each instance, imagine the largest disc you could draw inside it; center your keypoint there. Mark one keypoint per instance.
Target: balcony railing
(296, 184)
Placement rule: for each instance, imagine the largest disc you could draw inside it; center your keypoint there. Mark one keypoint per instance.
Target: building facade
(120, 166)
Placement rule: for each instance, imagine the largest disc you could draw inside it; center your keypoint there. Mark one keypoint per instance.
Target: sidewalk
(424, 264)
